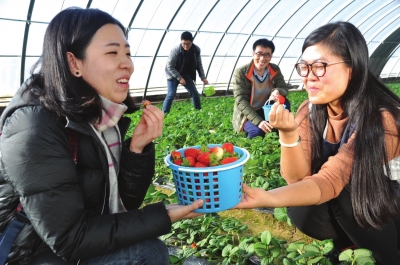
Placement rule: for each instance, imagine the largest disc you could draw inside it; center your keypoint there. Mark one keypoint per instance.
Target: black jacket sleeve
(136, 173)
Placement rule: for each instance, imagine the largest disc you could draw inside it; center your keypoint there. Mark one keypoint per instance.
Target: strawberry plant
(281, 215)
(238, 254)
(301, 253)
(357, 256)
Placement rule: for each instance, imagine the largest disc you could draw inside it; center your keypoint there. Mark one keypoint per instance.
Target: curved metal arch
(348, 20)
(158, 48)
(89, 4)
(276, 33)
(205, 18)
(291, 74)
(379, 58)
(223, 35)
(372, 25)
(394, 65)
(133, 16)
(244, 45)
(298, 32)
(383, 27)
(376, 11)
(23, 55)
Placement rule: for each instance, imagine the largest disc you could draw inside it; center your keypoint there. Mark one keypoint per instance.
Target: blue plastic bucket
(267, 109)
(220, 187)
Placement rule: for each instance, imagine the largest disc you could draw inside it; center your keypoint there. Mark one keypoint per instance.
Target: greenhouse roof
(224, 30)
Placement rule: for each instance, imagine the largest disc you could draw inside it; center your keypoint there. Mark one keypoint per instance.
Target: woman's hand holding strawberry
(148, 129)
(282, 119)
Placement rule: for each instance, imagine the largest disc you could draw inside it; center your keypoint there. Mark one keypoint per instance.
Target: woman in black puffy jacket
(64, 159)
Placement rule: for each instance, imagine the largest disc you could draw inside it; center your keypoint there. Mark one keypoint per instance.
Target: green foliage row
(219, 241)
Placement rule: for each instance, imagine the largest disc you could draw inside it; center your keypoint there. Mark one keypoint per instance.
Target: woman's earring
(77, 73)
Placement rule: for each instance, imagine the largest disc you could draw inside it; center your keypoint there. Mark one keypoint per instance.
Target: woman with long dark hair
(341, 154)
(64, 160)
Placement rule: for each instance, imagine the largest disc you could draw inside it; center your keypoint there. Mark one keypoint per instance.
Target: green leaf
(288, 262)
(213, 242)
(311, 248)
(235, 250)
(250, 248)
(261, 252)
(267, 260)
(174, 259)
(365, 260)
(265, 186)
(362, 252)
(280, 214)
(259, 246)
(226, 261)
(346, 255)
(295, 247)
(226, 251)
(275, 252)
(307, 255)
(328, 246)
(182, 236)
(266, 237)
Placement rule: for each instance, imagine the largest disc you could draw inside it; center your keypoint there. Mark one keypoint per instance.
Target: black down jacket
(67, 203)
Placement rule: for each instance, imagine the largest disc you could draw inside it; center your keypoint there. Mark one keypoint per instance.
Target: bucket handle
(267, 102)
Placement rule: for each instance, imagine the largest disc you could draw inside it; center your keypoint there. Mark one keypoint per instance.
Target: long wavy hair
(373, 195)
(57, 88)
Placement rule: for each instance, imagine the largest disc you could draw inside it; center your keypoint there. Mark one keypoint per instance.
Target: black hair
(186, 35)
(265, 43)
(59, 90)
(372, 192)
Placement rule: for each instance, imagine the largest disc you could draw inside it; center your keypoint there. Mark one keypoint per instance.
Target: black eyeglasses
(265, 55)
(188, 43)
(318, 68)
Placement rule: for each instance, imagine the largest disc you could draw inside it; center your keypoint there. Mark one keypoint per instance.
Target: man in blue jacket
(183, 62)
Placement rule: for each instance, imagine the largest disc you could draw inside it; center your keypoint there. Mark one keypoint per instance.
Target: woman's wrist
(135, 149)
(289, 137)
(289, 145)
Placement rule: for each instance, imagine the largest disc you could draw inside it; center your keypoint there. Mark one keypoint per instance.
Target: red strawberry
(218, 151)
(198, 164)
(228, 160)
(228, 147)
(176, 155)
(281, 99)
(204, 158)
(193, 245)
(190, 152)
(189, 161)
(178, 162)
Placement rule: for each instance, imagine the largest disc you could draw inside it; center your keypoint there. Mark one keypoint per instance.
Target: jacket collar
(84, 127)
(249, 74)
